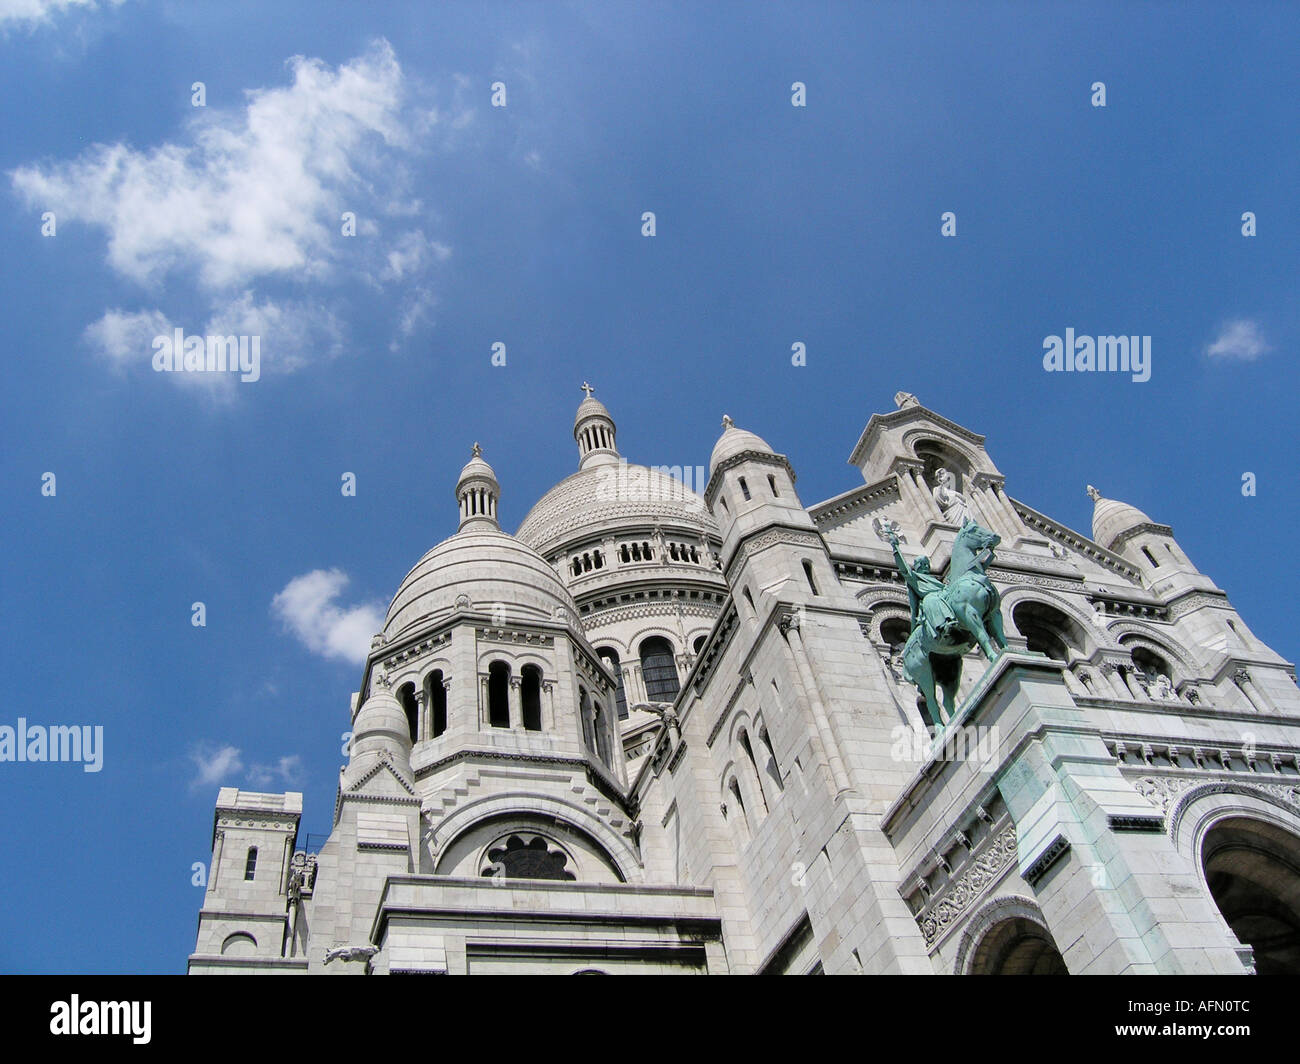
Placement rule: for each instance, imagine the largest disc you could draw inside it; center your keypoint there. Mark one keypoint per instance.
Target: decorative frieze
(946, 908)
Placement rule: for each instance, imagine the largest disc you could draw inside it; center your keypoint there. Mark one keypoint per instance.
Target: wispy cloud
(1239, 340)
(31, 13)
(307, 608)
(285, 771)
(215, 765)
(218, 764)
(248, 193)
(269, 193)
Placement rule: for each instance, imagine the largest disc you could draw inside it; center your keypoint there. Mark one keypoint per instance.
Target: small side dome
(734, 441)
(381, 726)
(1111, 518)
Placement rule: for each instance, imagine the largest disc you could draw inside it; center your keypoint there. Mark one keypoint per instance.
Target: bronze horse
(950, 618)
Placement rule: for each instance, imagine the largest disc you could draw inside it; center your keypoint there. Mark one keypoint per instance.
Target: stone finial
(587, 389)
(902, 399)
(1094, 494)
(382, 679)
(477, 451)
(727, 423)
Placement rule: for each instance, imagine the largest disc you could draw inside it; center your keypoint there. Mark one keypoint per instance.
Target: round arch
(1008, 936)
(1244, 842)
(522, 805)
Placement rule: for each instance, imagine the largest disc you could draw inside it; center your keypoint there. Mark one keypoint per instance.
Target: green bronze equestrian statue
(948, 619)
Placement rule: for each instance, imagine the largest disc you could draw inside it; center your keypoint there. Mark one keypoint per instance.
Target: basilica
(662, 730)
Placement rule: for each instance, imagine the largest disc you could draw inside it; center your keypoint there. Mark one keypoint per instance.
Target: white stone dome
(602, 498)
(590, 407)
(483, 568)
(1112, 518)
(734, 441)
(380, 724)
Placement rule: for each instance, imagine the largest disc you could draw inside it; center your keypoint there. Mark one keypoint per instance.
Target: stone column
(515, 703)
(216, 857)
(825, 730)
(424, 726)
(1242, 678)
(636, 691)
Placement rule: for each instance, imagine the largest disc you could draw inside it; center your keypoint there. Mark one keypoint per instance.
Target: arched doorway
(1253, 871)
(1017, 946)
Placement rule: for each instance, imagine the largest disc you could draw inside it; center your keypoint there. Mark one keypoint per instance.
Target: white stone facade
(661, 730)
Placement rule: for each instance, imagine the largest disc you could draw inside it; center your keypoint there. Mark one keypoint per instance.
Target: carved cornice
(844, 508)
(1187, 603)
(1081, 544)
(771, 537)
(761, 457)
(947, 908)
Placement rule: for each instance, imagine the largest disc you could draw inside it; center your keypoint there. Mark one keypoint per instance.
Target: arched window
(499, 694)
(406, 696)
(584, 711)
(1047, 630)
(1150, 557)
(723, 503)
(659, 670)
(698, 645)
(624, 554)
(610, 655)
(755, 782)
(531, 696)
(250, 863)
(771, 483)
(737, 811)
(808, 573)
(600, 729)
(744, 489)
(1151, 665)
(577, 567)
(773, 769)
(436, 693)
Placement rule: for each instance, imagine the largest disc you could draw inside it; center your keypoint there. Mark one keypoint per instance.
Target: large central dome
(606, 495)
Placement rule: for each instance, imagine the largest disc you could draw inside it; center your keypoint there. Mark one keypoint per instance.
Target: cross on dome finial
(478, 451)
(727, 423)
(587, 388)
(1093, 493)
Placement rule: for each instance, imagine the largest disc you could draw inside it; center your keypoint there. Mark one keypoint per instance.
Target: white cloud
(287, 770)
(293, 333)
(125, 339)
(215, 764)
(307, 608)
(255, 193)
(222, 765)
(1239, 340)
(252, 192)
(35, 12)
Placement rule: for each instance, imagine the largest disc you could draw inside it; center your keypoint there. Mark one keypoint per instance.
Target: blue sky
(522, 225)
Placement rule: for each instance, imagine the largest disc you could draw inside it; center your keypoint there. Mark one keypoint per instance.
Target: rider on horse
(925, 596)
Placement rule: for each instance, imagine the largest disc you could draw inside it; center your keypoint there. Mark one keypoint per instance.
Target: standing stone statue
(956, 510)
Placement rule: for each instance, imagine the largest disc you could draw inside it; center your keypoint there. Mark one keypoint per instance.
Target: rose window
(524, 856)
